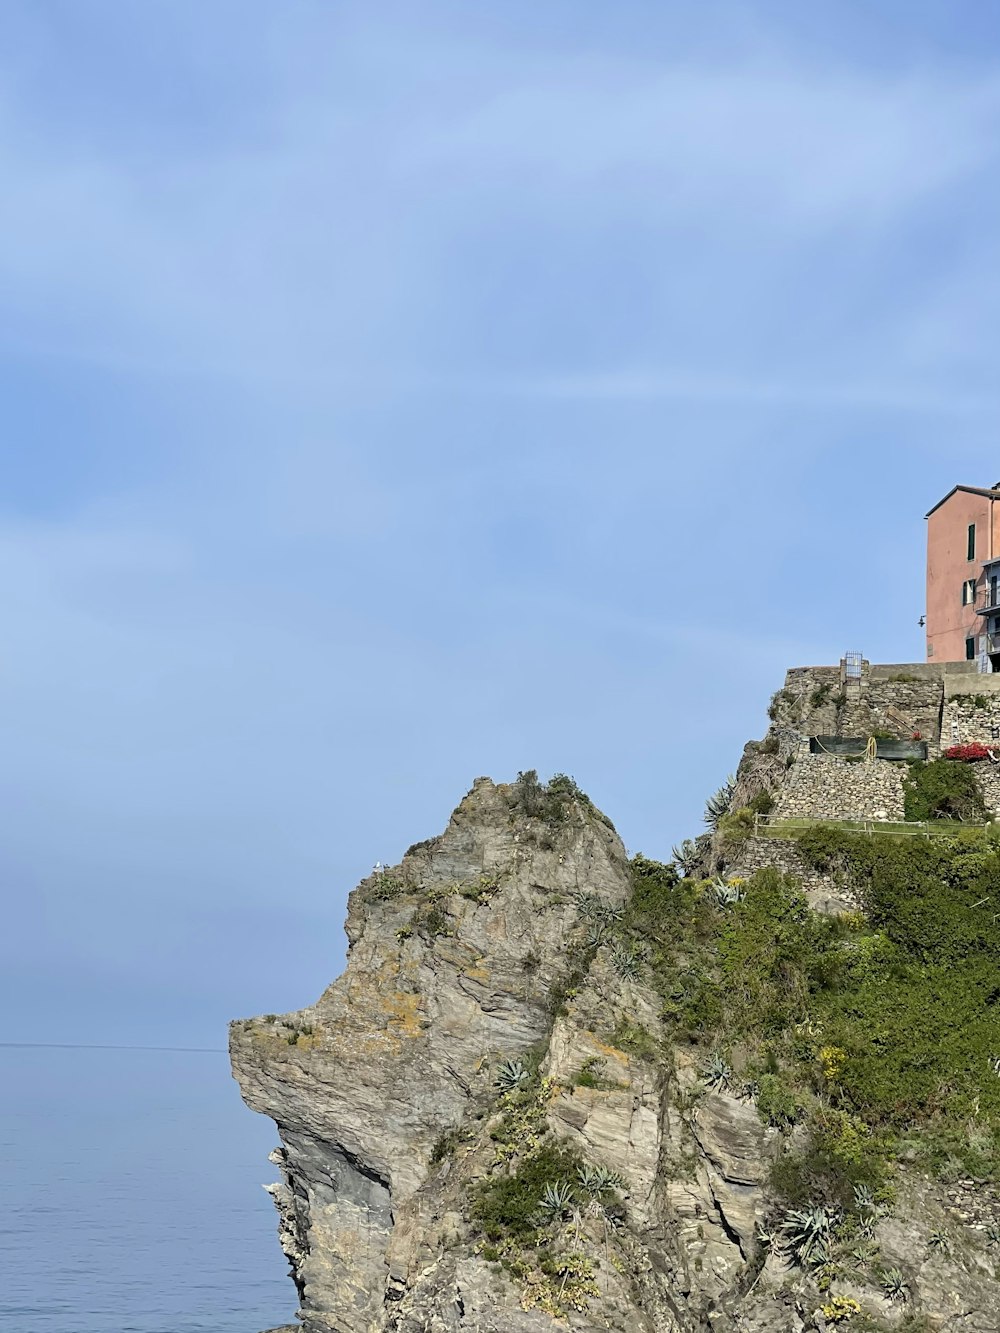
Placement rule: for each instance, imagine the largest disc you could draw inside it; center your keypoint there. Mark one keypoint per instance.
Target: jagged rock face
(393, 1053)
(467, 954)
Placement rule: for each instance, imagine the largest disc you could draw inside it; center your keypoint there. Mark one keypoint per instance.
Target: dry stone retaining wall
(820, 786)
(823, 892)
(971, 717)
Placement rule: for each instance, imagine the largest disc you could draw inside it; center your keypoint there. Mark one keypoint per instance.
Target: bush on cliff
(943, 789)
(891, 1018)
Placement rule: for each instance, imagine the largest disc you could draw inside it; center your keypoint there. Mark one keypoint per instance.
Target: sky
(395, 394)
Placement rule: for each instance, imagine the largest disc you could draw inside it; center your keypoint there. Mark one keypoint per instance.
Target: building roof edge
(992, 493)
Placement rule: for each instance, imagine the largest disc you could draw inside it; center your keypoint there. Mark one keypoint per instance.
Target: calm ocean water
(130, 1197)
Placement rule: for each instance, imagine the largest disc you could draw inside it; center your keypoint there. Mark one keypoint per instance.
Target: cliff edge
(555, 1087)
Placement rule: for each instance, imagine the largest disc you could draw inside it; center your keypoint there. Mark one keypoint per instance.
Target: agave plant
(597, 934)
(894, 1284)
(807, 1234)
(864, 1253)
(727, 893)
(938, 1240)
(765, 1236)
(589, 906)
(717, 805)
(626, 962)
(510, 1075)
(556, 1199)
(594, 1180)
(864, 1199)
(687, 857)
(993, 1234)
(716, 1073)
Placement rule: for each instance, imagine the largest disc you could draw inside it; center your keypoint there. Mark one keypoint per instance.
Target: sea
(130, 1196)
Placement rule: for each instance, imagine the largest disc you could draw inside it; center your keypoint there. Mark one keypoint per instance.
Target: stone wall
(825, 893)
(988, 782)
(817, 702)
(971, 717)
(820, 786)
(903, 707)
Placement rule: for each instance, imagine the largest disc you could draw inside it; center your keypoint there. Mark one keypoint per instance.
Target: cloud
(345, 237)
(789, 146)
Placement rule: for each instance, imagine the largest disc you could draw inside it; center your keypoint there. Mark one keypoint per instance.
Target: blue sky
(395, 394)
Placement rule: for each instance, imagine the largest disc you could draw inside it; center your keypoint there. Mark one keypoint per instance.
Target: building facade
(963, 577)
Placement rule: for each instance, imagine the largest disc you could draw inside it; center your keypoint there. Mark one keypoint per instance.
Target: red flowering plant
(968, 754)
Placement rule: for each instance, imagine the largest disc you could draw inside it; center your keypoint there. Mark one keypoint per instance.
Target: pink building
(963, 570)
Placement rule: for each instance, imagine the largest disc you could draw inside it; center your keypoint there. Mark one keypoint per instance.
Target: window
(968, 592)
(970, 650)
(972, 541)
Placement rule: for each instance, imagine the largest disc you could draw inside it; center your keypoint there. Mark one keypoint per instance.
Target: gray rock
(472, 952)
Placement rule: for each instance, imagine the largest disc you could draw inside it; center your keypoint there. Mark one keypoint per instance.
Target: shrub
(737, 826)
(762, 803)
(551, 801)
(777, 1103)
(445, 1146)
(839, 1157)
(943, 789)
(506, 1206)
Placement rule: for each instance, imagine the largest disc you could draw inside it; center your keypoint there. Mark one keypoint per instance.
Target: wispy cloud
(338, 240)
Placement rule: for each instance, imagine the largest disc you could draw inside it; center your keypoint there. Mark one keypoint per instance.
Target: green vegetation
(762, 803)
(549, 801)
(541, 1194)
(506, 1207)
(879, 1031)
(943, 789)
(445, 1146)
(821, 694)
(589, 1076)
(780, 699)
(716, 806)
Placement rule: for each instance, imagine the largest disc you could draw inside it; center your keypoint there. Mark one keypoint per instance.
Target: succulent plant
(597, 934)
(727, 893)
(687, 857)
(510, 1075)
(937, 1240)
(589, 906)
(864, 1199)
(556, 1199)
(594, 1180)
(864, 1252)
(894, 1284)
(626, 962)
(716, 1072)
(807, 1233)
(717, 805)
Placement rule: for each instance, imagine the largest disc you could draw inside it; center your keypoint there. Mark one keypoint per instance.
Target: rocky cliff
(549, 1090)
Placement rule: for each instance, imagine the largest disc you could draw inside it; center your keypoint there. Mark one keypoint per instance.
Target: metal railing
(775, 826)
